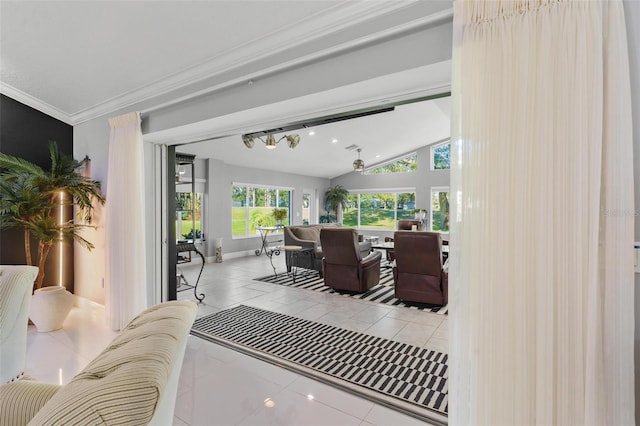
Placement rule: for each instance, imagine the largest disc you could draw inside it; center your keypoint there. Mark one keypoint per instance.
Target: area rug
(401, 371)
(382, 293)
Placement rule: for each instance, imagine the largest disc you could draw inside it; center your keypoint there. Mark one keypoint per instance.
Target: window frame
(367, 170)
(394, 191)
(247, 216)
(446, 189)
(432, 154)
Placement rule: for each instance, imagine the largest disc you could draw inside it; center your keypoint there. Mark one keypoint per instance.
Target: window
(378, 210)
(184, 219)
(401, 165)
(252, 205)
(440, 156)
(440, 209)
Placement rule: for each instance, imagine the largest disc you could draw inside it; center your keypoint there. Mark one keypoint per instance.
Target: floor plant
(30, 196)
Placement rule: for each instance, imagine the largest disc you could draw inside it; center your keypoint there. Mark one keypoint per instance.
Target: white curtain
(541, 271)
(125, 281)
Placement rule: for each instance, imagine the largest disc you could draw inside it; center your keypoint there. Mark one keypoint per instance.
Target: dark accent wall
(25, 132)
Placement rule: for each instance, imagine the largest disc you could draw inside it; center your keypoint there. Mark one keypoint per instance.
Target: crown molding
(310, 29)
(35, 103)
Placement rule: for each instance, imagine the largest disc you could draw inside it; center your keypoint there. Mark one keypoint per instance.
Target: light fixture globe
(270, 143)
(248, 141)
(293, 140)
(358, 165)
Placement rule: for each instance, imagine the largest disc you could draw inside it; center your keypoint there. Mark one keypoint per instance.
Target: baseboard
(233, 255)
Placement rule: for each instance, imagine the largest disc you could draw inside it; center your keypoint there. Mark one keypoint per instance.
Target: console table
(188, 248)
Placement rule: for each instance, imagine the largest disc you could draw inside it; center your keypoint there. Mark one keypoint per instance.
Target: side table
(292, 253)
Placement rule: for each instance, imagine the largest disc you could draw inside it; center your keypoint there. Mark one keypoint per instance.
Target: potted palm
(29, 199)
(336, 197)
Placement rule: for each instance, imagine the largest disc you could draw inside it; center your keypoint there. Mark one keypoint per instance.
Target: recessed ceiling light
(310, 397)
(269, 403)
(311, 133)
(377, 155)
(334, 140)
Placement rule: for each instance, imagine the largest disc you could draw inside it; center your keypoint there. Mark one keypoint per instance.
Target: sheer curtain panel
(125, 281)
(541, 271)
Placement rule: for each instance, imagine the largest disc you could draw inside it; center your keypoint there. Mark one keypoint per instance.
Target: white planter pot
(49, 308)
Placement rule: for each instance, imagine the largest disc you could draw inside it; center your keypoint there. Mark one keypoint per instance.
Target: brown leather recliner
(342, 265)
(403, 225)
(418, 274)
(406, 224)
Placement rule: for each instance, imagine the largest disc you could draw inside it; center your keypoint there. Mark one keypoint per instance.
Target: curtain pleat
(541, 268)
(125, 281)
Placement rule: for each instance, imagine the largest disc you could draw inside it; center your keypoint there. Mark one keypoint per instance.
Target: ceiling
(381, 137)
(77, 60)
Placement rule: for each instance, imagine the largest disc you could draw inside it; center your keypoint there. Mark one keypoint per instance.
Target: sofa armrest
(21, 400)
(372, 259)
(290, 239)
(364, 247)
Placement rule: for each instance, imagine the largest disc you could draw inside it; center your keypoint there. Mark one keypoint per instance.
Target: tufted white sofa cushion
(16, 285)
(132, 382)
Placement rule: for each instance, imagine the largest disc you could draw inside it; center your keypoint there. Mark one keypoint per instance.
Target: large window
(405, 164)
(378, 210)
(440, 209)
(252, 205)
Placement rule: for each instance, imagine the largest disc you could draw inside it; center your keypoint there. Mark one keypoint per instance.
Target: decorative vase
(217, 243)
(50, 307)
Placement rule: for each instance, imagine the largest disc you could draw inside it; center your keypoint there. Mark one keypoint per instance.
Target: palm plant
(336, 197)
(30, 196)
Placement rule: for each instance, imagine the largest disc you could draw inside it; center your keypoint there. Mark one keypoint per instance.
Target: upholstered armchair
(16, 285)
(418, 274)
(308, 236)
(343, 266)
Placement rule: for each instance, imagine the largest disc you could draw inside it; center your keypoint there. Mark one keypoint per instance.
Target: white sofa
(133, 381)
(16, 285)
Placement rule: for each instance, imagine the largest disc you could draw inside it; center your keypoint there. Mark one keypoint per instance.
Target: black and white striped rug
(382, 293)
(405, 372)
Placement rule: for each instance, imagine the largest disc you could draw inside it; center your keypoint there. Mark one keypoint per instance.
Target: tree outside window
(440, 156)
(440, 209)
(379, 210)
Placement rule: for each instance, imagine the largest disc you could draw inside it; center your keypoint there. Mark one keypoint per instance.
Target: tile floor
(219, 386)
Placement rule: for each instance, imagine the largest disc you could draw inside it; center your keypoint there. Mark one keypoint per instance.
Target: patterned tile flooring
(219, 386)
